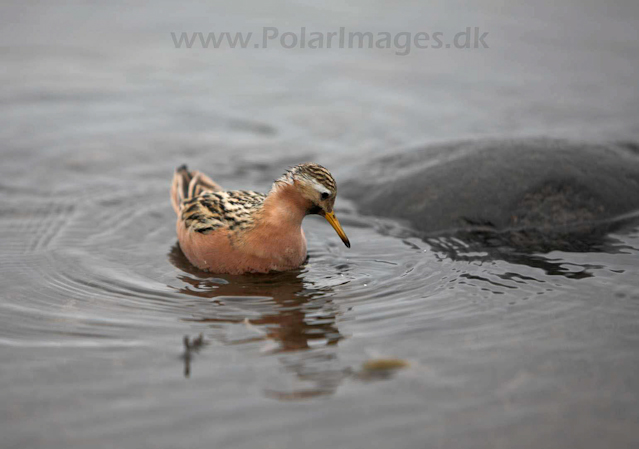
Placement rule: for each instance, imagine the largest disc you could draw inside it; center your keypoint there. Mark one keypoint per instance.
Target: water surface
(98, 107)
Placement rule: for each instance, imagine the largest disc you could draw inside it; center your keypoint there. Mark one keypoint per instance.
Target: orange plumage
(248, 232)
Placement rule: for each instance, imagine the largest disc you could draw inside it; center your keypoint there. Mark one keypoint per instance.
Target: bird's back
(189, 184)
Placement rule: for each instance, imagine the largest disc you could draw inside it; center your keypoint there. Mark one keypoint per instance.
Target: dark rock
(536, 194)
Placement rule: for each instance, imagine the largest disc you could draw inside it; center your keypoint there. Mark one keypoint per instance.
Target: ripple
(100, 276)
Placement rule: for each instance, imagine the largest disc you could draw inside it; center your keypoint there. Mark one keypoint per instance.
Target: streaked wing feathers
(210, 211)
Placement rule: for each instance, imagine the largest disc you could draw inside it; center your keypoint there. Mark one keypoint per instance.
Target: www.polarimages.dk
(270, 37)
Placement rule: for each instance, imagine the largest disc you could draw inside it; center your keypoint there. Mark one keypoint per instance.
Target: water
(98, 107)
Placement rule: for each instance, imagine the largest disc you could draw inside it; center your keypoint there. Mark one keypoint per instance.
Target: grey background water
(98, 107)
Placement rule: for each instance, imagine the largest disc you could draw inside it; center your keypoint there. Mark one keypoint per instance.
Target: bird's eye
(325, 195)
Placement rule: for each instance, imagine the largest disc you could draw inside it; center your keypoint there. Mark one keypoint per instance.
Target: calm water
(98, 107)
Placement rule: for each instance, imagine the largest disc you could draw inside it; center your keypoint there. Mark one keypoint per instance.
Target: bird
(241, 231)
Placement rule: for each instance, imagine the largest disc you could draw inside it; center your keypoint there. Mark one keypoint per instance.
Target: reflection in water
(471, 250)
(279, 308)
(519, 248)
(191, 347)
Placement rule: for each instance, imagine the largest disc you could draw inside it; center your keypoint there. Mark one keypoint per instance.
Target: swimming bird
(242, 231)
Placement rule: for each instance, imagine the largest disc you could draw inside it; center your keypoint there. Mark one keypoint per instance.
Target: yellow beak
(332, 219)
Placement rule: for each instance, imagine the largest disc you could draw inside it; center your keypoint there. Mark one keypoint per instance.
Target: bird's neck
(278, 235)
(285, 205)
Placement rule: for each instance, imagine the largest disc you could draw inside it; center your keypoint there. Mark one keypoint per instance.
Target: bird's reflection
(285, 311)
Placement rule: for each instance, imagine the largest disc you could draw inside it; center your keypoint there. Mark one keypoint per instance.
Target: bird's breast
(257, 250)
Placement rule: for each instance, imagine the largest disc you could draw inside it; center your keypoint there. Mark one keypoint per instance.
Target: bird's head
(316, 185)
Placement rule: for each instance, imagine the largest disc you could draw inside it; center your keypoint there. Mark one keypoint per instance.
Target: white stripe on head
(317, 186)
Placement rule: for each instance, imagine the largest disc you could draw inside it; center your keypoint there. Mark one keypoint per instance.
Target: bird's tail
(188, 184)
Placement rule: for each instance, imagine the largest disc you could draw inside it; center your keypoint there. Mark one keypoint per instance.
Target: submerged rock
(536, 194)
